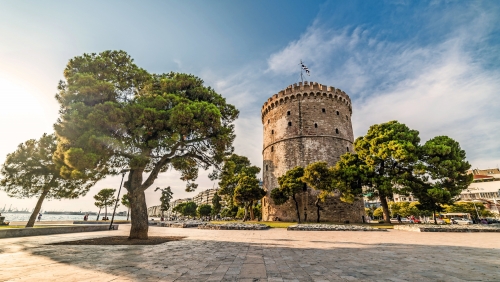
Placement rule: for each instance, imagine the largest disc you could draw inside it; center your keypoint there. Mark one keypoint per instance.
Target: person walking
(399, 218)
(39, 217)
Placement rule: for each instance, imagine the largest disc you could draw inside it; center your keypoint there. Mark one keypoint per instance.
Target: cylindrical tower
(306, 123)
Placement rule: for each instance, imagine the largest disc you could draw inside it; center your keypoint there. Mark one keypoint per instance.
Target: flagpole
(301, 69)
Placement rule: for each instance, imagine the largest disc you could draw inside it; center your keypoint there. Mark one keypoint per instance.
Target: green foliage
(378, 212)
(279, 197)
(216, 205)
(320, 177)
(257, 211)
(229, 212)
(443, 171)
(234, 168)
(125, 201)
(105, 198)
(166, 197)
(31, 172)
(368, 212)
(115, 115)
(387, 155)
(247, 191)
(290, 184)
(179, 207)
(469, 207)
(186, 208)
(204, 210)
(240, 214)
(348, 177)
(406, 209)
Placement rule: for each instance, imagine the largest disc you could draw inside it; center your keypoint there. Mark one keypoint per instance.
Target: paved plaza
(269, 255)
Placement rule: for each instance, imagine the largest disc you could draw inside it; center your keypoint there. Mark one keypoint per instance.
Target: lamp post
(117, 198)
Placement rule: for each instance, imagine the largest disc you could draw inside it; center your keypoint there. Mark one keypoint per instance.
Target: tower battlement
(306, 89)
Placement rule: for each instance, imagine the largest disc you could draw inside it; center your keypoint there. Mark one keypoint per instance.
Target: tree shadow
(200, 260)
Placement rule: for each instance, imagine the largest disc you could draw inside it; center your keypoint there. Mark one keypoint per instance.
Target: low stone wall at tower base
(331, 227)
(331, 210)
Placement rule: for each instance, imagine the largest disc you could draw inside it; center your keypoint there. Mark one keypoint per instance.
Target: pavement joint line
(325, 256)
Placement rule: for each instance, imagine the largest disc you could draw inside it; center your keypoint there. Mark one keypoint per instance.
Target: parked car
(462, 221)
(403, 220)
(492, 220)
(438, 220)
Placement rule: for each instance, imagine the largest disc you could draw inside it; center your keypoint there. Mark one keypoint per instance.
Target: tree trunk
(317, 208)
(105, 211)
(99, 213)
(139, 215)
(31, 221)
(246, 212)
(435, 220)
(128, 213)
(296, 208)
(385, 208)
(252, 216)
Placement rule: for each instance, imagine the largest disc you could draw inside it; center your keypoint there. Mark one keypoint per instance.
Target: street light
(117, 198)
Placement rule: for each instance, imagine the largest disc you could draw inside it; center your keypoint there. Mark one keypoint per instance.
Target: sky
(433, 65)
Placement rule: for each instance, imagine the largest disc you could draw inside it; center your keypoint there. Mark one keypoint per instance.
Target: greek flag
(305, 68)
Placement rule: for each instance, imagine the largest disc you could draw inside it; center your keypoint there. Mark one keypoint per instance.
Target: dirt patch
(122, 240)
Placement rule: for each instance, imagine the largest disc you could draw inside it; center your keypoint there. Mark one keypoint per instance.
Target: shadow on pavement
(200, 260)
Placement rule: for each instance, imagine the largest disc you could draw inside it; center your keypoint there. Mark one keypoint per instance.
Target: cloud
(440, 87)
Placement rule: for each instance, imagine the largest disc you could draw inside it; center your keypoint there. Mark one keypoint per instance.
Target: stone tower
(306, 123)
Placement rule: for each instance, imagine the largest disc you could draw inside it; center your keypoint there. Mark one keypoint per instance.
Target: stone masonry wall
(305, 123)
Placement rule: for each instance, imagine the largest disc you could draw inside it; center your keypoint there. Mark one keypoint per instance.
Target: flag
(305, 68)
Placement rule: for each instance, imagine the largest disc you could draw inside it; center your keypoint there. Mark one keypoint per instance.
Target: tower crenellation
(311, 89)
(305, 123)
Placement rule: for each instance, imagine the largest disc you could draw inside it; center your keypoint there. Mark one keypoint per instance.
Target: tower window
(347, 149)
(289, 123)
(323, 110)
(272, 148)
(346, 117)
(337, 130)
(338, 113)
(272, 131)
(267, 168)
(268, 121)
(315, 125)
(288, 113)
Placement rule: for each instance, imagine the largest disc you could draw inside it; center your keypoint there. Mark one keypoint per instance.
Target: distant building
(485, 188)
(490, 174)
(205, 197)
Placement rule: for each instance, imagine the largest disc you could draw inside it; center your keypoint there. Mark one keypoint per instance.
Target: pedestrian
(399, 218)
(39, 216)
(86, 217)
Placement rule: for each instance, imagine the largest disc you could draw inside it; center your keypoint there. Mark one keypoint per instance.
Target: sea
(55, 217)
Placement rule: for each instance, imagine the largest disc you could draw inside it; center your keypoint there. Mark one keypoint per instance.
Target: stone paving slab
(272, 255)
